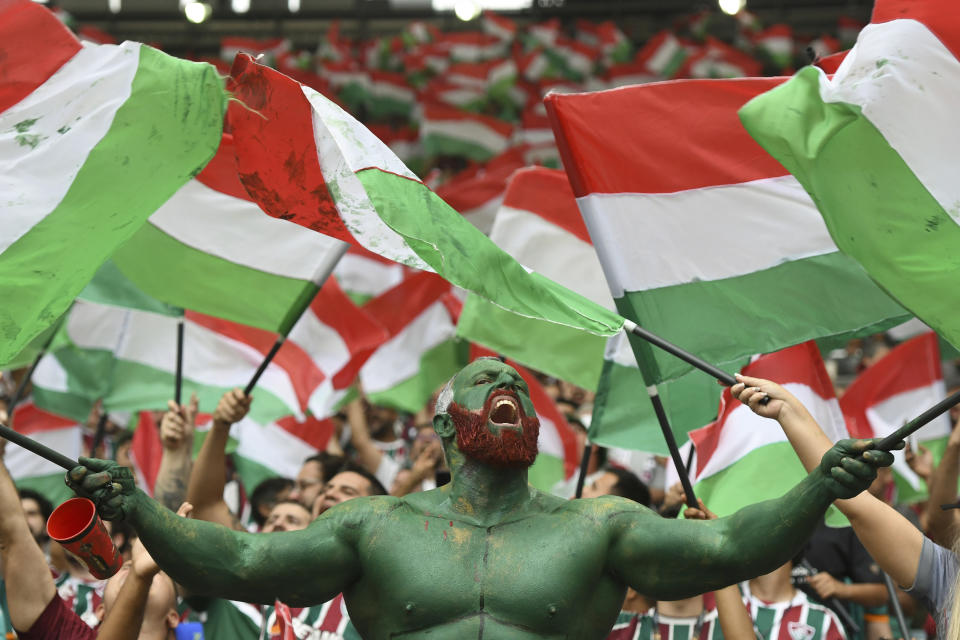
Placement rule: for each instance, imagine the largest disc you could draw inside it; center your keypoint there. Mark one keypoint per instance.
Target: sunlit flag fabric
(875, 147)
(209, 246)
(57, 432)
(897, 388)
(705, 240)
(540, 225)
(121, 348)
(743, 458)
(421, 352)
(93, 139)
(303, 158)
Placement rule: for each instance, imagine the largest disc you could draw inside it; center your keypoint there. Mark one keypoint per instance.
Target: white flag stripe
(398, 359)
(342, 142)
(646, 241)
(744, 431)
(25, 464)
(272, 446)
(37, 166)
(551, 251)
(549, 440)
(195, 216)
(910, 94)
(357, 274)
(324, 345)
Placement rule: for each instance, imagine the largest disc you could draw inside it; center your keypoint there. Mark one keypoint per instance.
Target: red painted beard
(510, 449)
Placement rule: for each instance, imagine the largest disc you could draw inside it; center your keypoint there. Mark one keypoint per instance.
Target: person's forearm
(735, 621)
(126, 614)
(864, 593)
(367, 453)
(174, 475)
(943, 490)
(207, 479)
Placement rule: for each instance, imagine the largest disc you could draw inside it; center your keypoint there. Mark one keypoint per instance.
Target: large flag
(874, 146)
(121, 348)
(558, 453)
(210, 249)
(540, 225)
(421, 352)
(364, 275)
(743, 458)
(92, 141)
(705, 240)
(30, 470)
(303, 158)
(477, 192)
(897, 388)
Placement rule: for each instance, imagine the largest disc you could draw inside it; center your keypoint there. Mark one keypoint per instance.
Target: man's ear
(443, 425)
(172, 619)
(98, 612)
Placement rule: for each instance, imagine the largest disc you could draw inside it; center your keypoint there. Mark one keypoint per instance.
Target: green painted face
(477, 381)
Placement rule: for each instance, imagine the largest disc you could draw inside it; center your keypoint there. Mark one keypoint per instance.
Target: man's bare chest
(543, 573)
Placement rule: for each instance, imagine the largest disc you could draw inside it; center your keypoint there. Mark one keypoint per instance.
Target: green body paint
(486, 556)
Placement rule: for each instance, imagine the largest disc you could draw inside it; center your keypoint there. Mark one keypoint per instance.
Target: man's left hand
(851, 465)
(107, 484)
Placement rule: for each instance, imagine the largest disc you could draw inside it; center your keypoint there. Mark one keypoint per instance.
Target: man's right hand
(232, 408)
(851, 465)
(110, 486)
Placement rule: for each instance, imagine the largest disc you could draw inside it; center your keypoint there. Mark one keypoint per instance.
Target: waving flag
(92, 141)
(897, 388)
(540, 225)
(30, 470)
(874, 146)
(478, 192)
(743, 458)
(705, 240)
(421, 352)
(344, 182)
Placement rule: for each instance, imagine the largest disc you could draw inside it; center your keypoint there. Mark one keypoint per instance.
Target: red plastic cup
(76, 525)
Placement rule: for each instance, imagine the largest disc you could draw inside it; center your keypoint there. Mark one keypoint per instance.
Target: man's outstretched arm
(298, 567)
(670, 559)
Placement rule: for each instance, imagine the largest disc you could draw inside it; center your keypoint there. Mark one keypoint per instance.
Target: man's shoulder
(607, 507)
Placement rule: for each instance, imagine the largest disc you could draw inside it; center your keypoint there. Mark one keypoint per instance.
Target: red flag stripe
(221, 173)
(23, 65)
(313, 431)
(356, 327)
(28, 418)
(396, 308)
(547, 193)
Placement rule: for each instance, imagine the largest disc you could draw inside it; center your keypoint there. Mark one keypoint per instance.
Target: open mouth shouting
(504, 411)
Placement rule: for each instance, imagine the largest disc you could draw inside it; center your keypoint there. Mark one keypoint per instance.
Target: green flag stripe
(131, 165)
(273, 298)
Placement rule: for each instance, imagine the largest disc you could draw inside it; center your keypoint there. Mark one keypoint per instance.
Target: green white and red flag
(891, 392)
(498, 26)
(540, 225)
(447, 130)
(389, 95)
(364, 275)
(271, 49)
(473, 46)
(57, 432)
(684, 228)
(628, 73)
(546, 32)
(777, 42)
(743, 458)
(488, 76)
(94, 139)
(888, 111)
(212, 227)
(558, 451)
(534, 65)
(663, 55)
(439, 90)
(717, 59)
(575, 60)
(421, 351)
(303, 158)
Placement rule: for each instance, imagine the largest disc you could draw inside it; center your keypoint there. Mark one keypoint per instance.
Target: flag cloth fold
(27, 469)
(540, 225)
(874, 145)
(891, 392)
(705, 240)
(303, 158)
(93, 140)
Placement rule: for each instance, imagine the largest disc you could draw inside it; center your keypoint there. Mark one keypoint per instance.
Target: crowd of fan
(832, 590)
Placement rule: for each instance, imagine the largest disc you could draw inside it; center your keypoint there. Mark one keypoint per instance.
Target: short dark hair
(629, 486)
(45, 506)
(330, 463)
(376, 487)
(266, 493)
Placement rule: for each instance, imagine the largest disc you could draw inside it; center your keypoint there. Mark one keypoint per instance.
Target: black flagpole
(584, 463)
(33, 446)
(178, 379)
(927, 416)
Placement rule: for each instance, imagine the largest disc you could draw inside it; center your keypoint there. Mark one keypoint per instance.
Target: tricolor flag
(874, 146)
(558, 451)
(663, 55)
(363, 275)
(209, 248)
(121, 348)
(305, 159)
(389, 95)
(473, 46)
(499, 26)
(777, 42)
(57, 432)
(421, 352)
(706, 240)
(540, 225)
(717, 59)
(891, 392)
(743, 458)
(92, 141)
(451, 131)
(270, 49)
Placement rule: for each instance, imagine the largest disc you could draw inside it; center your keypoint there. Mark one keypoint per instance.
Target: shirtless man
(486, 556)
